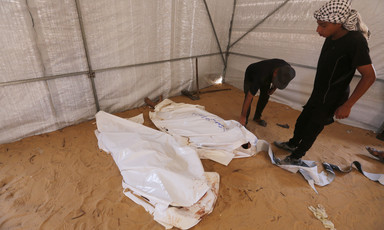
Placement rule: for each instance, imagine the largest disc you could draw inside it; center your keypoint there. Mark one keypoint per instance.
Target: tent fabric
(63, 60)
(43, 38)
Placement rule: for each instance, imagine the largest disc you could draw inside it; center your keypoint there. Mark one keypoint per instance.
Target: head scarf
(339, 11)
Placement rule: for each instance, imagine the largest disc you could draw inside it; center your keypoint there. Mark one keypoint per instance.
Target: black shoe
(261, 122)
(380, 136)
(285, 146)
(289, 160)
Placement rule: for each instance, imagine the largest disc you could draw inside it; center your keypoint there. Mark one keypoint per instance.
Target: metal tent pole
(263, 58)
(229, 41)
(214, 30)
(156, 62)
(270, 14)
(100, 70)
(91, 73)
(293, 64)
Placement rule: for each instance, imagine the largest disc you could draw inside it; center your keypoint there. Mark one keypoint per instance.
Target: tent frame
(92, 73)
(224, 55)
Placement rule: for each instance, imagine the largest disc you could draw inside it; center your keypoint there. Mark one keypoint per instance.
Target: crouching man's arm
(247, 103)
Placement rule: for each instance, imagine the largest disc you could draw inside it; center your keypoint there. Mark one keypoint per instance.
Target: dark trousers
(261, 103)
(308, 126)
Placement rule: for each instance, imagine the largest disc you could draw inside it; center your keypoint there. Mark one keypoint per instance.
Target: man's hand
(343, 111)
(246, 105)
(368, 77)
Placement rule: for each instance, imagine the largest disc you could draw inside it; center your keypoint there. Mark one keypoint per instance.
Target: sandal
(376, 153)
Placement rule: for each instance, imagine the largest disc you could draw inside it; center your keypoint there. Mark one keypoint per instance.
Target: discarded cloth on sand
(213, 137)
(161, 175)
(372, 176)
(311, 173)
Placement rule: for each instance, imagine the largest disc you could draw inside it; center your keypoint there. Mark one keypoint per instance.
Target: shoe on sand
(284, 145)
(293, 161)
(380, 136)
(376, 153)
(261, 122)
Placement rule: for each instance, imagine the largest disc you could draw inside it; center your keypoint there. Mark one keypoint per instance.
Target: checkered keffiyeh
(339, 11)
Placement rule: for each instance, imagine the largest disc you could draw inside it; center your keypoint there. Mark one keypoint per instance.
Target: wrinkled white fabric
(154, 166)
(311, 173)
(213, 137)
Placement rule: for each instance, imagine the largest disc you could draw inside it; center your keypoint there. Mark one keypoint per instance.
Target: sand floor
(62, 180)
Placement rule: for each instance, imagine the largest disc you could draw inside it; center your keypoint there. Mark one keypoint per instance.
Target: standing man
(265, 75)
(345, 49)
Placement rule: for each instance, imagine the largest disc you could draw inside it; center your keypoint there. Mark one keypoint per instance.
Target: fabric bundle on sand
(213, 137)
(161, 175)
(310, 171)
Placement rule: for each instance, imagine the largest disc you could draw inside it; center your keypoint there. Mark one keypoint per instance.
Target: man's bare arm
(368, 78)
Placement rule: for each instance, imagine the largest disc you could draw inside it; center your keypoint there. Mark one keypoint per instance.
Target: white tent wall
(32, 49)
(136, 49)
(289, 33)
(142, 48)
(140, 32)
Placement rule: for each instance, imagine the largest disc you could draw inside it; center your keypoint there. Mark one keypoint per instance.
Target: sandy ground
(62, 180)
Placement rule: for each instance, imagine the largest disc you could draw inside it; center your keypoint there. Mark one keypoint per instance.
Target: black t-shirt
(336, 66)
(259, 75)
